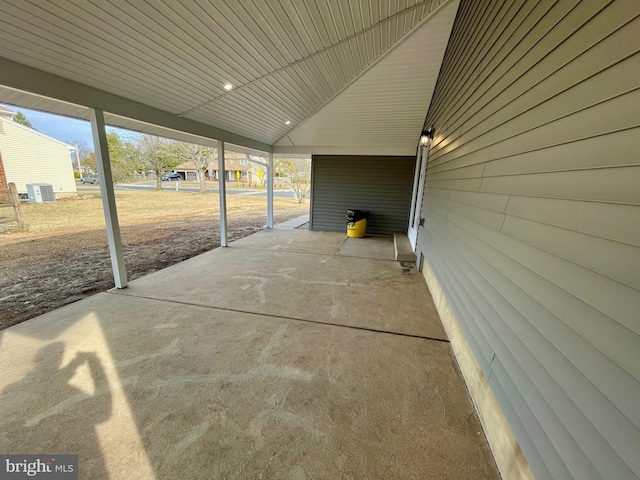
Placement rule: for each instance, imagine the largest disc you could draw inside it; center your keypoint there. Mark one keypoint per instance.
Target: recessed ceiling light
(288, 122)
(228, 87)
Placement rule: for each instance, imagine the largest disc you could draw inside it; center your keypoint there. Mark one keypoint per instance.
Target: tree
(90, 162)
(262, 177)
(158, 155)
(259, 171)
(295, 172)
(20, 118)
(201, 157)
(83, 151)
(119, 169)
(124, 156)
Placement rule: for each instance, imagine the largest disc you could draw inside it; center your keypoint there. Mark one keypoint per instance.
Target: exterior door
(418, 191)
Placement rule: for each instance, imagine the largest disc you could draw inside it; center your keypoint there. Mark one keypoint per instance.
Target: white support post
(416, 179)
(222, 189)
(103, 164)
(270, 192)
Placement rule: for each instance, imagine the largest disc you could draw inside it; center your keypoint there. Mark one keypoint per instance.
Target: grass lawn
(64, 256)
(138, 207)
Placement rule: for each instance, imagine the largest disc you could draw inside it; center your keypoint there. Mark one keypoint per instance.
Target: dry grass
(84, 212)
(64, 257)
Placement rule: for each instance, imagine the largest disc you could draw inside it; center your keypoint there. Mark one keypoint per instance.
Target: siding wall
(29, 157)
(532, 208)
(381, 185)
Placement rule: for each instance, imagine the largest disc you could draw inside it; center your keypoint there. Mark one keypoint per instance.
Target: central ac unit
(41, 193)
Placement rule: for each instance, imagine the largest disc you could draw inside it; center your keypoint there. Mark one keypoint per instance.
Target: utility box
(41, 193)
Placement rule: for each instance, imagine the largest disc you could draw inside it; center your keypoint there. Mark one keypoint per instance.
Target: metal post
(103, 164)
(270, 192)
(222, 189)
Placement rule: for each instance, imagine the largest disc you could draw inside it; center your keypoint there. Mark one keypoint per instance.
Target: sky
(62, 128)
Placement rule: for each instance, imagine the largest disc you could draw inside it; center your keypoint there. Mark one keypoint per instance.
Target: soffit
(386, 105)
(285, 59)
(36, 102)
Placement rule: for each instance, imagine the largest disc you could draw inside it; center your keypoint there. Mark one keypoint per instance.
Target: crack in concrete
(286, 276)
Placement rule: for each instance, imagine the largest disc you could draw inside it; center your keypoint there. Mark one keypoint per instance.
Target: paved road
(171, 187)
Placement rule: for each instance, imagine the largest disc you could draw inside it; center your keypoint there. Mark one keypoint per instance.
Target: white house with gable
(29, 156)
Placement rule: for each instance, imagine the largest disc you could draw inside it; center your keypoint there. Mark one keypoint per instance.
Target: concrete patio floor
(284, 356)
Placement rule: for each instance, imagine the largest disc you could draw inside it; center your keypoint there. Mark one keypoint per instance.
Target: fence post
(17, 207)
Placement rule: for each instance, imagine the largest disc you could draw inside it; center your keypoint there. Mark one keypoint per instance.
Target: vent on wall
(41, 193)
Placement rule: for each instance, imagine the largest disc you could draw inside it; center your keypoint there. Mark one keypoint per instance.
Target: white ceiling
(313, 63)
(36, 102)
(386, 105)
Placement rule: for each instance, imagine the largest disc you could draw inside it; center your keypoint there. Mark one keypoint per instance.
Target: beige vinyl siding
(532, 221)
(30, 157)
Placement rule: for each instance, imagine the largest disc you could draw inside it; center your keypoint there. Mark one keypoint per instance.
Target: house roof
(34, 131)
(190, 166)
(6, 113)
(305, 63)
(229, 157)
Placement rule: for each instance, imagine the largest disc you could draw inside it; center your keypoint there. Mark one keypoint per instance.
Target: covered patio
(501, 137)
(290, 354)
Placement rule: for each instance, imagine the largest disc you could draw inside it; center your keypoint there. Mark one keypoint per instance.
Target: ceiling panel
(77, 71)
(387, 104)
(100, 57)
(285, 59)
(323, 74)
(35, 102)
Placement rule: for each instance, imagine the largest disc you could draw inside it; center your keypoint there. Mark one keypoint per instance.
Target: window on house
(243, 161)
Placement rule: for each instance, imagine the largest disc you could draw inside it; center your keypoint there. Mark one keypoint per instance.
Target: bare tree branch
(157, 155)
(295, 172)
(201, 157)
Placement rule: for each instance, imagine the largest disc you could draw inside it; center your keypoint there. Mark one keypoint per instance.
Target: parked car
(170, 176)
(89, 179)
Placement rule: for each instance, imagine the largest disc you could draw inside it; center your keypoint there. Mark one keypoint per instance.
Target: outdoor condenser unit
(40, 193)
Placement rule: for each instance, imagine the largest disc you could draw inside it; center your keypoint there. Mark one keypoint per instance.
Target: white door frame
(419, 178)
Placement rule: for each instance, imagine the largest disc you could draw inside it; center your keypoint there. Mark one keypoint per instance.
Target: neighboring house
(234, 162)
(29, 156)
(82, 170)
(189, 172)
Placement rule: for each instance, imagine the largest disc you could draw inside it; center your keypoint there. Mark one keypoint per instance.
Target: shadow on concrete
(181, 390)
(46, 401)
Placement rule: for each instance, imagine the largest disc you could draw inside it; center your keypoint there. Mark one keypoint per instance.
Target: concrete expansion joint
(304, 252)
(281, 317)
(281, 250)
